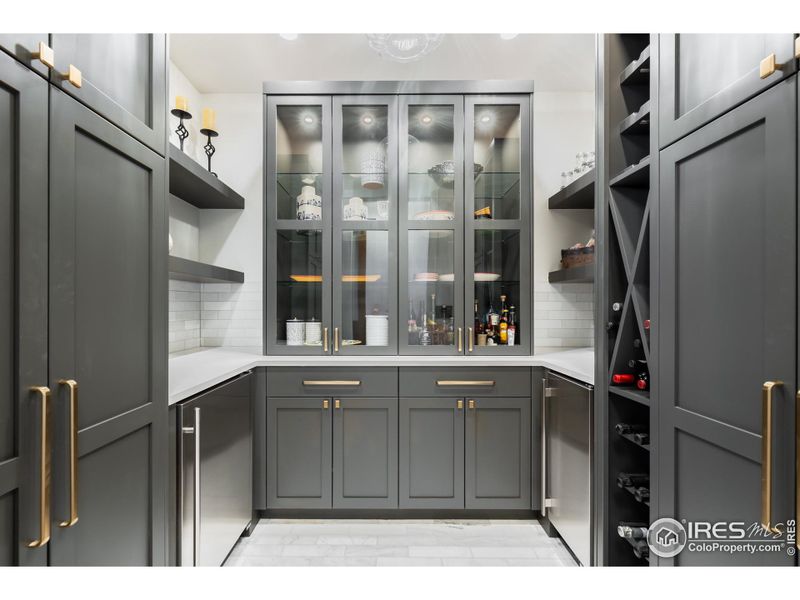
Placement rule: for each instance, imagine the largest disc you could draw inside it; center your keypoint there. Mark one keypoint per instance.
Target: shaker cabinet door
(299, 452)
(23, 308)
(107, 324)
(432, 453)
(498, 453)
(22, 46)
(728, 306)
(123, 77)
(702, 76)
(365, 453)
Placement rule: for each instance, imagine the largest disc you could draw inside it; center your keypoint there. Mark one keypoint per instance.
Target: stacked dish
(377, 330)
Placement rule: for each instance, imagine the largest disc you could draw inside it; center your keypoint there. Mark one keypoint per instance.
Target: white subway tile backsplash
(563, 315)
(183, 315)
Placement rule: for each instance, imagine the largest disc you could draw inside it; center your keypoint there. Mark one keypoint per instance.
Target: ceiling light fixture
(368, 119)
(426, 119)
(404, 47)
(308, 120)
(486, 118)
(288, 36)
(508, 36)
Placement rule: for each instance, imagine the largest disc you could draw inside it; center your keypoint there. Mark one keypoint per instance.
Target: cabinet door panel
(365, 453)
(23, 305)
(298, 453)
(431, 453)
(728, 314)
(22, 45)
(107, 324)
(498, 453)
(701, 76)
(124, 78)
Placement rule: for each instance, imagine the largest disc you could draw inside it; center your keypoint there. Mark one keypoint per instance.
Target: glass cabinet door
(497, 216)
(298, 225)
(365, 225)
(431, 196)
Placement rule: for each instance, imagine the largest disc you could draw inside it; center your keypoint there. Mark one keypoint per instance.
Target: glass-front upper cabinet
(497, 224)
(365, 225)
(299, 205)
(431, 159)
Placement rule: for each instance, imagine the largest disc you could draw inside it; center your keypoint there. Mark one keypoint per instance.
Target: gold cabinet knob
(73, 76)
(471, 404)
(768, 66)
(325, 405)
(460, 404)
(45, 55)
(337, 403)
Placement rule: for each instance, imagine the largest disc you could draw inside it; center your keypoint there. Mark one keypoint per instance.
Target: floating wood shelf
(637, 123)
(191, 270)
(581, 274)
(638, 71)
(577, 195)
(192, 183)
(637, 175)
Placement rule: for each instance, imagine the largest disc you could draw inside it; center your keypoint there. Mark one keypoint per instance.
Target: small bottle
(512, 326)
(413, 333)
(503, 324)
(425, 334)
(622, 379)
(643, 381)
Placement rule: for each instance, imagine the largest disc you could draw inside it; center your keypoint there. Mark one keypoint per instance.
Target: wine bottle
(637, 343)
(637, 364)
(622, 378)
(643, 381)
(413, 333)
(632, 531)
(425, 334)
(641, 549)
(503, 324)
(642, 494)
(512, 326)
(642, 438)
(629, 428)
(633, 479)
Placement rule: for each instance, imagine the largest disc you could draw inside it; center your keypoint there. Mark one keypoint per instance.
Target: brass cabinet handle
(335, 339)
(469, 339)
(464, 382)
(766, 453)
(325, 382)
(73, 76)
(460, 340)
(73, 452)
(460, 404)
(768, 66)
(325, 339)
(325, 404)
(337, 403)
(45, 55)
(44, 470)
(797, 47)
(471, 404)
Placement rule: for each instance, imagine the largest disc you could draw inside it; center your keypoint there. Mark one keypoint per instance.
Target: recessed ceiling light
(508, 36)
(486, 118)
(288, 36)
(426, 119)
(367, 119)
(308, 120)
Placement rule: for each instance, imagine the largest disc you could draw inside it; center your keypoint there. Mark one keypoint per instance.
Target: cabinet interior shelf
(637, 123)
(633, 441)
(193, 184)
(581, 274)
(577, 195)
(637, 72)
(631, 394)
(637, 175)
(192, 270)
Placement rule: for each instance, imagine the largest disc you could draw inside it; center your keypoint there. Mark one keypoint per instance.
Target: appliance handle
(197, 481)
(544, 447)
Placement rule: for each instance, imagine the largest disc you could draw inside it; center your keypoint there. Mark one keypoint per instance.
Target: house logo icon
(666, 538)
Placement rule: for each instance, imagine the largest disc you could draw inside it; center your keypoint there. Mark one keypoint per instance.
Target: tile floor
(374, 542)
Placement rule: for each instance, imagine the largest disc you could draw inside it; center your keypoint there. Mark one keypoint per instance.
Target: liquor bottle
(478, 326)
(425, 334)
(413, 332)
(633, 479)
(642, 494)
(512, 326)
(503, 325)
(642, 438)
(630, 428)
(632, 531)
(622, 379)
(432, 313)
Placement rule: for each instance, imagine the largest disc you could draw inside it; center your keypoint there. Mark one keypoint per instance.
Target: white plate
(487, 276)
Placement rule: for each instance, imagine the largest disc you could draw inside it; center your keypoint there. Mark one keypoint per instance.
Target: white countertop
(193, 372)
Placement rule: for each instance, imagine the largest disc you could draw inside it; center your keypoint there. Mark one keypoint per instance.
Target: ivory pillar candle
(209, 119)
(181, 103)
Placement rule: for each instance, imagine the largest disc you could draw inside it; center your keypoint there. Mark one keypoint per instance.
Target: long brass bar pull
(766, 453)
(332, 382)
(43, 393)
(460, 340)
(469, 339)
(73, 452)
(335, 339)
(325, 340)
(464, 382)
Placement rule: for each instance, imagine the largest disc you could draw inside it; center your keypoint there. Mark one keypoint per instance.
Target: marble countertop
(193, 372)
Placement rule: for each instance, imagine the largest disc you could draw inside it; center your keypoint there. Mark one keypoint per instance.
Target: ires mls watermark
(669, 537)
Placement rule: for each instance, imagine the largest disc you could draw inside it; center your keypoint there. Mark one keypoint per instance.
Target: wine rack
(626, 175)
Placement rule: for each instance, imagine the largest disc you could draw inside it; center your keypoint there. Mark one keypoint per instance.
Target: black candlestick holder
(209, 147)
(181, 131)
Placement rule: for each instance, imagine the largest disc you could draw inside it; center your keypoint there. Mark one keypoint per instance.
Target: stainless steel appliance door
(217, 426)
(568, 436)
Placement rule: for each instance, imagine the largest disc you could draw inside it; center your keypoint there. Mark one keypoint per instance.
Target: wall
(563, 125)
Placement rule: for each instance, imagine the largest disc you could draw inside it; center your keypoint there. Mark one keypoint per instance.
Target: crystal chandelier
(404, 47)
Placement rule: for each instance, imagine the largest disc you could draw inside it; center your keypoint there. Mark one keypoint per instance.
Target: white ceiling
(239, 63)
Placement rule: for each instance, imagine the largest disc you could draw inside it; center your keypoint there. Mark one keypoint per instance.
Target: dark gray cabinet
(299, 452)
(23, 46)
(432, 453)
(123, 77)
(365, 453)
(728, 263)
(498, 453)
(23, 308)
(701, 76)
(107, 324)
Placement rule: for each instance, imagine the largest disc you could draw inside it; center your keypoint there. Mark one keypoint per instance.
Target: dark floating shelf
(638, 123)
(191, 270)
(637, 175)
(192, 183)
(638, 71)
(577, 195)
(581, 274)
(631, 394)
